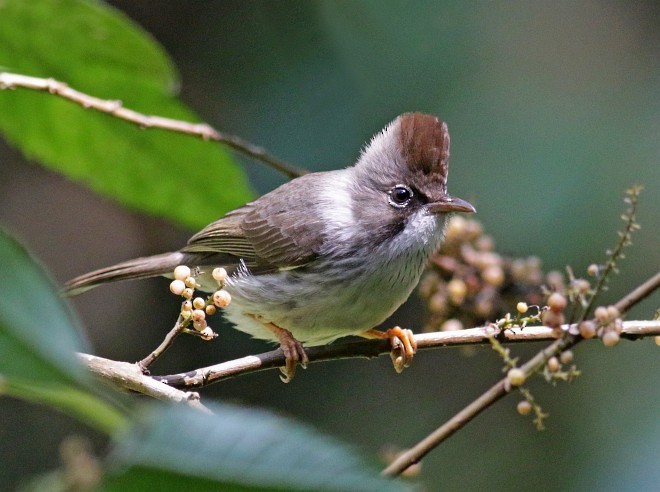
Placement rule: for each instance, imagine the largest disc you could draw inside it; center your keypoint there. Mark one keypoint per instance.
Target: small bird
(328, 254)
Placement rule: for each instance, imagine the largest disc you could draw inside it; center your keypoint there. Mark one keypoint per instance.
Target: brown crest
(425, 145)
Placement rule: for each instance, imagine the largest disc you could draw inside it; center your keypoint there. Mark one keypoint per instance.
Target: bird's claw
(403, 344)
(291, 348)
(404, 347)
(293, 353)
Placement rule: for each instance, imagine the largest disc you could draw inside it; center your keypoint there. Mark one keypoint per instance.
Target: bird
(328, 254)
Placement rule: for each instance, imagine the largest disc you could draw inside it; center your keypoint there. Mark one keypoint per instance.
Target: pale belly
(318, 308)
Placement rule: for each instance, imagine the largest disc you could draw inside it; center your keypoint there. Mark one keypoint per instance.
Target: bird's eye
(400, 196)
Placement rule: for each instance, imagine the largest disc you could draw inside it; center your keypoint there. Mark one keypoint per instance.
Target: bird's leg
(403, 343)
(293, 351)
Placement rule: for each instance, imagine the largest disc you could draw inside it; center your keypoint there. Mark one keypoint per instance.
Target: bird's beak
(450, 204)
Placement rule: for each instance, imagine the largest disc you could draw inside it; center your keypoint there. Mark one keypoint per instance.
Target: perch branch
(116, 109)
(198, 378)
(374, 348)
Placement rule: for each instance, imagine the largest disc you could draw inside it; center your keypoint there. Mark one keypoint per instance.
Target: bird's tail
(149, 266)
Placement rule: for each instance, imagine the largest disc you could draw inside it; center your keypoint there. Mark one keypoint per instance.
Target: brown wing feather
(277, 229)
(223, 236)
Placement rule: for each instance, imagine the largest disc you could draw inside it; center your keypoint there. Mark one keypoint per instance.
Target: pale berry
(221, 298)
(566, 357)
(181, 272)
(219, 274)
(552, 319)
(198, 315)
(493, 275)
(516, 376)
(524, 407)
(451, 325)
(581, 285)
(613, 312)
(601, 313)
(177, 287)
(610, 338)
(553, 364)
(587, 329)
(457, 290)
(207, 333)
(556, 302)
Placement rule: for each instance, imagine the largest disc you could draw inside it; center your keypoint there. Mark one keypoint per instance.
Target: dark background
(553, 111)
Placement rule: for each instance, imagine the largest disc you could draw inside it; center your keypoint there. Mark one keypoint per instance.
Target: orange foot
(403, 343)
(293, 352)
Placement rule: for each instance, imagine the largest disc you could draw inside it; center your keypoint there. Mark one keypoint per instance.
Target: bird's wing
(224, 236)
(276, 229)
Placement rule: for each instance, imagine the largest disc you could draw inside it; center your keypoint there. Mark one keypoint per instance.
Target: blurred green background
(553, 108)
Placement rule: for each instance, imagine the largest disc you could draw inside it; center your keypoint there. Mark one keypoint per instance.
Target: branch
(640, 293)
(205, 376)
(502, 387)
(124, 375)
(115, 108)
(129, 376)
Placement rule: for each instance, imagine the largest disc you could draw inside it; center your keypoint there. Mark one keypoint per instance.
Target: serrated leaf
(236, 448)
(98, 50)
(38, 339)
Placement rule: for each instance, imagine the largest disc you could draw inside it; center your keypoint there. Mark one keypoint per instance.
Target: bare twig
(116, 109)
(636, 295)
(502, 387)
(167, 342)
(373, 348)
(124, 375)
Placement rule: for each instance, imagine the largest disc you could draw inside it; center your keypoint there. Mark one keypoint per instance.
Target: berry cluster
(607, 325)
(195, 309)
(469, 284)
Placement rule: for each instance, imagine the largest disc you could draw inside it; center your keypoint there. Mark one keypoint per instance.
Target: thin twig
(641, 292)
(624, 240)
(164, 345)
(116, 109)
(502, 387)
(490, 396)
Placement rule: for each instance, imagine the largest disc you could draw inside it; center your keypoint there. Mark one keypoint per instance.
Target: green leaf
(235, 449)
(98, 50)
(38, 339)
(78, 403)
